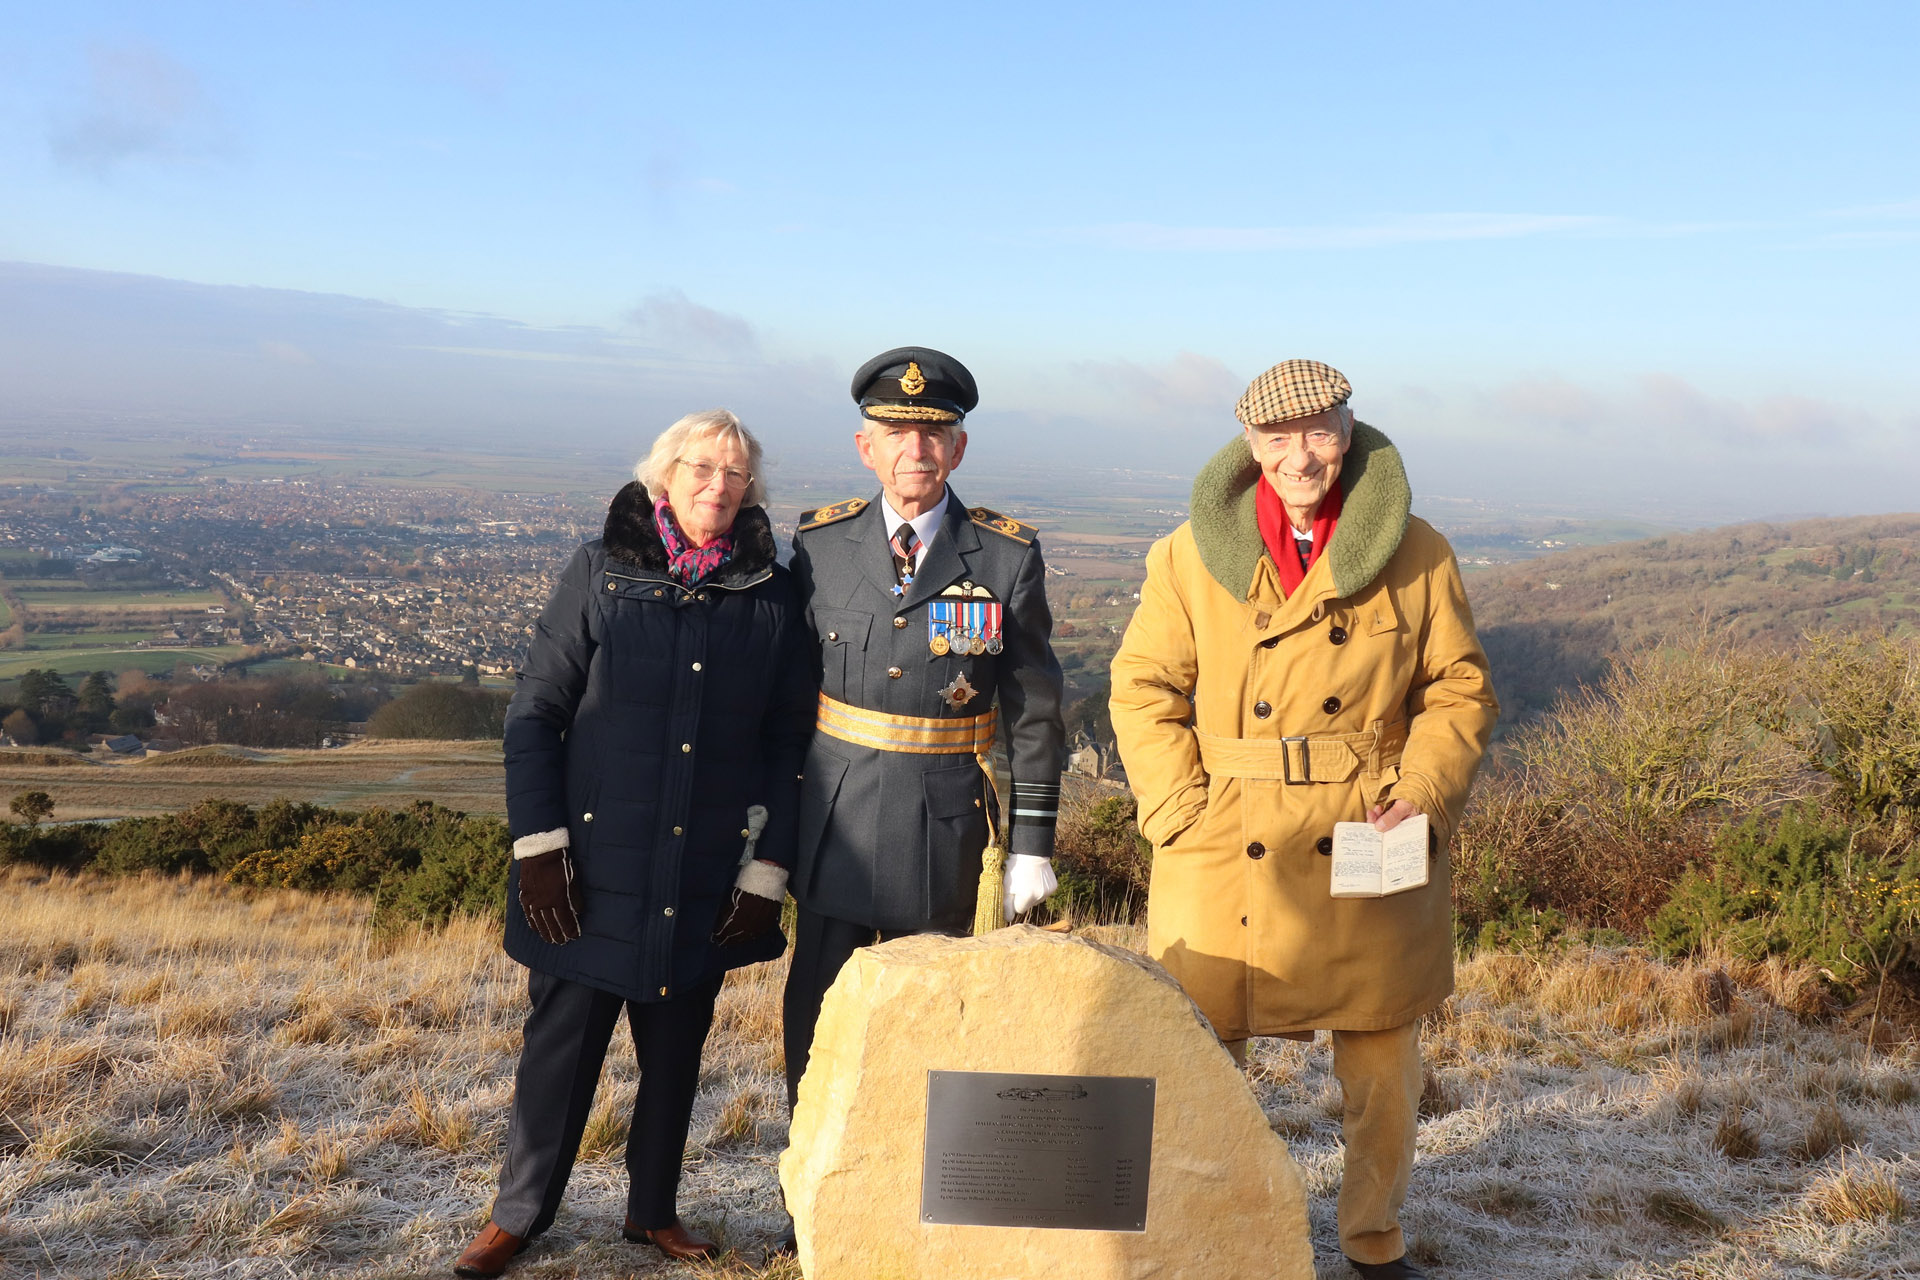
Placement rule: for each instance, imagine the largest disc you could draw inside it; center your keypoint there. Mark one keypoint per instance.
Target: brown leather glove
(747, 917)
(549, 896)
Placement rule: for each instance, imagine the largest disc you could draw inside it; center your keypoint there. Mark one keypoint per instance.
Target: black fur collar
(631, 538)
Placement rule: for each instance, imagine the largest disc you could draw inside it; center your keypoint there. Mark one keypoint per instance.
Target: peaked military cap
(1292, 389)
(914, 384)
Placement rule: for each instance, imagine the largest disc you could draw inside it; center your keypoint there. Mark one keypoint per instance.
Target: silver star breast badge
(959, 693)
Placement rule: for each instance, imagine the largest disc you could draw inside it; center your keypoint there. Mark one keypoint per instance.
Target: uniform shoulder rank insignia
(829, 514)
(1006, 526)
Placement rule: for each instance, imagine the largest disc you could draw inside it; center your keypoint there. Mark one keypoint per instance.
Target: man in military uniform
(933, 641)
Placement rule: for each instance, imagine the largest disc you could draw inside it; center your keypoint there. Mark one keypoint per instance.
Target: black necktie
(903, 543)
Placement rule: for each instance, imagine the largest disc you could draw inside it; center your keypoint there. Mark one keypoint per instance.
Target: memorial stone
(1030, 1104)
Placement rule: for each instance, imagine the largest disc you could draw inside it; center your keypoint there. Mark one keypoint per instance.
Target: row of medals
(963, 642)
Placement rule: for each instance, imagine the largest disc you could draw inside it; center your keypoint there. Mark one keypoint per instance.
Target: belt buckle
(1286, 762)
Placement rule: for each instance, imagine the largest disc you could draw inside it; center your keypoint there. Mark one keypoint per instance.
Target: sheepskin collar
(1378, 501)
(631, 538)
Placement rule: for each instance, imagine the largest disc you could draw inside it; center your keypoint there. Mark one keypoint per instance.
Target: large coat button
(1263, 708)
(1338, 635)
(1256, 851)
(833, 635)
(1324, 846)
(899, 623)
(1330, 706)
(1271, 642)
(893, 673)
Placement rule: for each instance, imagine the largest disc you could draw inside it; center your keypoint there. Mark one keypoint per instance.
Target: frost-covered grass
(198, 1081)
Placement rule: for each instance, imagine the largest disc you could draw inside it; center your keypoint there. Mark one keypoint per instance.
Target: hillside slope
(1549, 624)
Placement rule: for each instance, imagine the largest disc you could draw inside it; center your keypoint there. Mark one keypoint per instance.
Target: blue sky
(1509, 224)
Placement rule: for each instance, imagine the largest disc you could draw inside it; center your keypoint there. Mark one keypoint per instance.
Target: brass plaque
(1012, 1150)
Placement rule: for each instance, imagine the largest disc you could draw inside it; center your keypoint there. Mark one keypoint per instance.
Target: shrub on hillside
(441, 711)
(462, 871)
(1801, 885)
(1102, 860)
(212, 835)
(1857, 720)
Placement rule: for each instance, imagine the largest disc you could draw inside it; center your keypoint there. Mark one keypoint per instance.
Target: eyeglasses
(1281, 441)
(704, 472)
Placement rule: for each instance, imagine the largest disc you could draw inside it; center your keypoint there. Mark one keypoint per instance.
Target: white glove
(1029, 881)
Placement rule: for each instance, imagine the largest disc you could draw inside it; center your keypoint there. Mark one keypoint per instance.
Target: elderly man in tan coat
(1303, 654)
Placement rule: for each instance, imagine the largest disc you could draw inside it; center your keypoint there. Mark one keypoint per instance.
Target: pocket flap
(953, 793)
(843, 626)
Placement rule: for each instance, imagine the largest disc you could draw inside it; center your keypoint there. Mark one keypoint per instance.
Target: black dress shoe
(1398, 1269)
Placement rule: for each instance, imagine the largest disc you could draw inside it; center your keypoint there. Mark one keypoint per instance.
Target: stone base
(1225, 1200)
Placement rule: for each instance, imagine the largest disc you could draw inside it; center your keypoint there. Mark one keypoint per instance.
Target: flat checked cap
(1292, 389)
(914, 384)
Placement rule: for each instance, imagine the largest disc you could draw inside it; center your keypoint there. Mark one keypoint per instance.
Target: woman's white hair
(673, 443)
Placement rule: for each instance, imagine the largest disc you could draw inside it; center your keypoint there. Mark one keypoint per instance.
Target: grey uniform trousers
(564, 1044)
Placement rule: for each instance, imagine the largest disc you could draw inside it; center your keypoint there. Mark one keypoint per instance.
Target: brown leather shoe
(489, 1253)
(674, 1241)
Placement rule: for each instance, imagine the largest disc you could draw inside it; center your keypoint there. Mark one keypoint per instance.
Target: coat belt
(1313, 757)
(914, 735)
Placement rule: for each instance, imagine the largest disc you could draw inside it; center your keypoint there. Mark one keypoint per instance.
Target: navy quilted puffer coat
(647, 718)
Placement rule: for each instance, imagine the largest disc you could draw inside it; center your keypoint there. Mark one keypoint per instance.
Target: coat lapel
(946, 561)
(868, 532)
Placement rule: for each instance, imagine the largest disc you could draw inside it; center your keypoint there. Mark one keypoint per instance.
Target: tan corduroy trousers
(1379, 1074)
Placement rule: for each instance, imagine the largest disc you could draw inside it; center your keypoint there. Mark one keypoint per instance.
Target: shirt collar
(925, 525)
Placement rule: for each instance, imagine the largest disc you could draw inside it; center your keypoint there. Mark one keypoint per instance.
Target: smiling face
(1301, 459)
(913, 461)
(705, 509)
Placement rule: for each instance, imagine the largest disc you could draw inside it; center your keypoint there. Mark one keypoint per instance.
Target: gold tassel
(989, 910)
(989, 907)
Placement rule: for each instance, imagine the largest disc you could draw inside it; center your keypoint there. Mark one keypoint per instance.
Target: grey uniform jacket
(893, 840)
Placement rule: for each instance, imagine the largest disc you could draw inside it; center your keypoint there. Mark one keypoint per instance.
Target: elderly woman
(666, 693)
(1303, 655)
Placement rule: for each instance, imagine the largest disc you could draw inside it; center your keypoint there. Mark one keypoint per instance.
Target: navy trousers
(564, 1045)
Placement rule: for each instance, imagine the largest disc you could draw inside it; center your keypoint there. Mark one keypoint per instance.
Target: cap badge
(912, 382)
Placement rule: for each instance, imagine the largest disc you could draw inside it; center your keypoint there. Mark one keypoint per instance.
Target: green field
(79, 661)
(66, 601)
(6, 614)
(56, 640)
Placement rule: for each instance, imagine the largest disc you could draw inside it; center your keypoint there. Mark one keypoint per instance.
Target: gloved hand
(747, 917)
(1028, 880)
(549, 897)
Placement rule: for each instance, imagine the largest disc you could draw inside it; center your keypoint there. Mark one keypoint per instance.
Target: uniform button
(894, 673)
(611, 587)
(976, 802)
(1324, 846)
(744, 833)
(833, 635)
(1338, 635)
(1330, 706)
(657, 591)
(663, 991)
(1270, 642)
(685, 747)
(701, 597)
(1243, 919)
(586, 817)
(1256, 851)
(669, 911)
(899, 623)
(696, 666)
(1263, 708)
(677, 831)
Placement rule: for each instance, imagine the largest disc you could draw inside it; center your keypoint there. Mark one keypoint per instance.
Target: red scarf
(1277, 532)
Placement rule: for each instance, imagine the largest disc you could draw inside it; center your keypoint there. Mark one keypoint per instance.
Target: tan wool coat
(1375, 661)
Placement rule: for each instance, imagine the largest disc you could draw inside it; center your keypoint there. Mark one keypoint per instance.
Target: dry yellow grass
(197, 1080)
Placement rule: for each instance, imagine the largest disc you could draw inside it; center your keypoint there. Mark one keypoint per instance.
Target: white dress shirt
(925, 525)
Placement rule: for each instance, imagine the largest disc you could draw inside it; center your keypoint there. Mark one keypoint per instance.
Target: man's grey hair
(654, 470)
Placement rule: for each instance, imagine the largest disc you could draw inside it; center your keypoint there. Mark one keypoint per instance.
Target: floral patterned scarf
(689, 565)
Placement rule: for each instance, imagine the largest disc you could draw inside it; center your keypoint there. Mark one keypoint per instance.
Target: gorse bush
(1803, 885)
(1102, 860)
(422, 863)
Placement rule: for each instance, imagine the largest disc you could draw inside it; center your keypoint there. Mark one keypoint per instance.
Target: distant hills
(1549, 624)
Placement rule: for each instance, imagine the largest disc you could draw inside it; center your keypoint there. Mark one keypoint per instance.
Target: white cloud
(140, 103)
